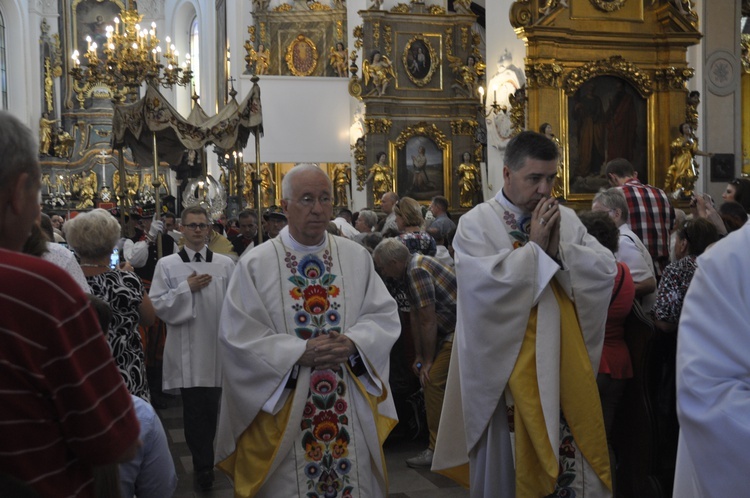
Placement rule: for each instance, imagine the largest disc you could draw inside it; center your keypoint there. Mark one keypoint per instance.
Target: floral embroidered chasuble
(315, 301)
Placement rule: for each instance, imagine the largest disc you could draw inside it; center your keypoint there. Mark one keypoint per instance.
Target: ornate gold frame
(433, 133)
(434, 60)
(312, 59)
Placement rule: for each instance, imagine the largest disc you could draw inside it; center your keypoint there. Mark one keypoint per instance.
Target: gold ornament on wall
(543, 75)
(466, 127)
(673, 78)
(388, 38)
(381, 126)
(614, 66)
(608, 5)
(301, 56)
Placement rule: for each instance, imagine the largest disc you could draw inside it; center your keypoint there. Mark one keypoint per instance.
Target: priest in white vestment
(188, 293)
(305, 337)
(533, 292)
(713, 374)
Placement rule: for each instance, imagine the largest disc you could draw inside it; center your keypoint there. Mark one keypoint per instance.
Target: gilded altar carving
(301, 56)
(436, 10)
(388, 38)
(517, 102)
(608, 5)
(381, 126)
(614, 66)
(673, 78)
(449, 40)
(422, 129)
(543, 75)
(358, 34)
(464, 127)
(520, 14)
(376, 34)
(400, 8)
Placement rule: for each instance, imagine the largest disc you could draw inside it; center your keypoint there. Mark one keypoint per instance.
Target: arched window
(3, 66)
(195, 54)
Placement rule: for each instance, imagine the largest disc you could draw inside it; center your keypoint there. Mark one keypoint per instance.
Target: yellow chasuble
(537, 468)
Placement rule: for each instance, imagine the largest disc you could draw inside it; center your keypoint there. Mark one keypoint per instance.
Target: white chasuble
(501, 281)
(324, 428)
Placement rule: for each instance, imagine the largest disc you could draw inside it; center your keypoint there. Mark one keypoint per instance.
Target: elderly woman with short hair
(93, 236)
(410, 223)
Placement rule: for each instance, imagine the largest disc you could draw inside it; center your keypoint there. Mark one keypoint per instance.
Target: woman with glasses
(93, 236)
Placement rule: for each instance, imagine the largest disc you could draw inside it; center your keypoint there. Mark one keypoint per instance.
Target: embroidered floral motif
(518, 230)
(325, 430)
(325, 437)
(313, 286)
(567, 462)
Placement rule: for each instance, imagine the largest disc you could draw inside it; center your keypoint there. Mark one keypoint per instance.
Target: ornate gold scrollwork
(745, 57)
(608, 5)
(467, 127)
(520, 14)
(614, 66)
(376, 34)
(301, 56)
(358, 34)
(543, 75)
(436, 10)
(401, 8)
(449, 40)
(381, 126)
(387, 38)
(464, 36)
(421, 129)
(319, 6)
(673, 78)
(409, 57)
(284, 7)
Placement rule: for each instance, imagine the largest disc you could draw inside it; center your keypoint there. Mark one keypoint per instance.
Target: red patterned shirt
(64, 405)
(651, 218)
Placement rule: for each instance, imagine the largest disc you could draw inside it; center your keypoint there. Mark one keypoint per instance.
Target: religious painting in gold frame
(422, 157)
(301, 56)
(419, 60)
(607, 114)
(91, 18)
(427, 77)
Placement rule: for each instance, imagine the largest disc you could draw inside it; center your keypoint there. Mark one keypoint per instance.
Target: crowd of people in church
(500, 340)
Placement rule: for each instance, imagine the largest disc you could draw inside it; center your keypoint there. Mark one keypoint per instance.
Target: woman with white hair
(93, 236)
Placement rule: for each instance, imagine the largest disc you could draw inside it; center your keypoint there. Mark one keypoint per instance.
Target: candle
(494, 92)
(88, 40)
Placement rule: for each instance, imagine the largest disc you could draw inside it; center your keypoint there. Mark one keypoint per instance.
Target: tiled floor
(404, 481)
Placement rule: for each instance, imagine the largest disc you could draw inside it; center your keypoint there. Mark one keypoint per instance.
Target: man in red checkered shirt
(651, 214)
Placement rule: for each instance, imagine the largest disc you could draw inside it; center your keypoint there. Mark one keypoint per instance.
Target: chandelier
(132, 56)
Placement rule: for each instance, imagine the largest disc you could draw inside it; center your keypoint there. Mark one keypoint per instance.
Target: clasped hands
(545, 226)
(327, 351)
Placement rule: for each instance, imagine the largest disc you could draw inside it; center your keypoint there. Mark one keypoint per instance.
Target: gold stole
(536, 465)
(256, 450)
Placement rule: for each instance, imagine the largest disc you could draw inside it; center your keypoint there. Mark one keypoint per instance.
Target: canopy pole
(256, 185)
(157, 200)
(123, 189)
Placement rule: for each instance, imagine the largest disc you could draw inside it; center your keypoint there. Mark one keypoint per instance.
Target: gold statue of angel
(380, 70)
(260, 57)
(132, 183)
(339, 59)
(468, 74)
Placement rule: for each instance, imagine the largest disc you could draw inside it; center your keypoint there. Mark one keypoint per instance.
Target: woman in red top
(615, 367)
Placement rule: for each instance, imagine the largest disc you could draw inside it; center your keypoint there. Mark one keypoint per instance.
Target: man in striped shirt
(651, 214)
(64, 407)
(432, 294)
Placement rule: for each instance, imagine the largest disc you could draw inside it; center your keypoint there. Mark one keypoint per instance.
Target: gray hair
(92, 235)
(391, 250)
(286, 183)
(369, 217)
(19, 150)
(614, 198)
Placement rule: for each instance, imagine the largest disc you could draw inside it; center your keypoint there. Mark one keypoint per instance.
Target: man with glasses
(305, 337)
(188, 292)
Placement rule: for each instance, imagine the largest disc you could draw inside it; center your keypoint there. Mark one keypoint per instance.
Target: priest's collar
(509, 206)
(289, 241)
